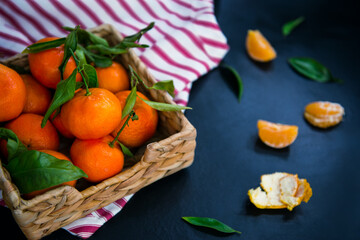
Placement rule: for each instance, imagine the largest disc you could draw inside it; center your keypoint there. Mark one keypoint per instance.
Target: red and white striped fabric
(185, 43)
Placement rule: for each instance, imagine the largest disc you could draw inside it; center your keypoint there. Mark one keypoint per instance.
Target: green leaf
(166, 85)
(90, 76)
(237, 77)
(165, 107)
(130, 102)
(126, 150)
(290, 26)
(101, 61)
(312, 69)
(210, 223)
(85, 37)
(14, 146)
(131, 45)
(34, 170)
(70, 46)
(136, 37)
(81, 56)
(38, 47)
(64, 92)
(104, 50)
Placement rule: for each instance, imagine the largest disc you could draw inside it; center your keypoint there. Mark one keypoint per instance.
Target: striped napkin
(185, 43)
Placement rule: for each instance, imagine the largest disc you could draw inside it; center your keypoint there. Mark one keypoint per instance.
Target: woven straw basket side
(54, 209)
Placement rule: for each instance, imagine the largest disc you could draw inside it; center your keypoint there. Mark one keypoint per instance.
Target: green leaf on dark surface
(90, 76)
(38, 47)
(34, 170)
(69, 47)
(64, 92)
(312, 69)
(237, 77)
(210, 223)
(14, 146)
(291, 25)
(129, 103)
(165, 107)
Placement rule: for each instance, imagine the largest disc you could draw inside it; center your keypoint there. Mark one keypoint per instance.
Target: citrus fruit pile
(74, 90)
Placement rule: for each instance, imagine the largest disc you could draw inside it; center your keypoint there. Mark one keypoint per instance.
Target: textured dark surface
(229, 156)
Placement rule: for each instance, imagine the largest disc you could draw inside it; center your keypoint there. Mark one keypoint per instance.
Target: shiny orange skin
(70, 183)
(96, 158)
(258, 47)
(93, 116)
(57, 122)
(113, 78)
(13, 94)
(44, 65)
(139, 131)
(38, 97)
(27, 128)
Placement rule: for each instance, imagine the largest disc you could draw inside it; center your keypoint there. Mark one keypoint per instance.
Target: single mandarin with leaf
(60, 156)
(137, 132)
(13, 94)
(27, 128)
(276, 135)
(324, 114)
(258, 47)
(99, 158)
(44, 65)
(91, 115)
(114, 78)
(38, 97)
(57, 122)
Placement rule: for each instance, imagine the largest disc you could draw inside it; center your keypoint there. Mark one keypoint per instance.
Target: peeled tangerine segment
(258, 47)
(280, 190)
(277, 135)
(324, 114)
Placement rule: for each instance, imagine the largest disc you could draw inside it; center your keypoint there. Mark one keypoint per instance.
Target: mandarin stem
(131, 114)
(80, 71)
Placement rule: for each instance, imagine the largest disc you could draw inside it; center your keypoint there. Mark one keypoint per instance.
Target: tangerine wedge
(258, 47)
(324, 114)
(276, 135)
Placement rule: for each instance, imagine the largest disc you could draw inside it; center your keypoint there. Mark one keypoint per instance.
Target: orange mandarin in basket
(13, 94)
(98, 158)
(44, 65)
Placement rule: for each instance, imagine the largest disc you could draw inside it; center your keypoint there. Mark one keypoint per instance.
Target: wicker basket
(56, 208)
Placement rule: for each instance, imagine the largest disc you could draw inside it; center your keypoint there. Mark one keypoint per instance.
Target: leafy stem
(77, 61)
(131, 116)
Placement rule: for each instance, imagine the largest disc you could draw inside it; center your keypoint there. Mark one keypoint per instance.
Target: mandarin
(44, 65)
(324, 114)
(60, 156)
(27, 128)
(113, 78)
(97, 158)
(38, 97)
(276, 135)
(13, 94)
(258, 47)
(137, 132)
(57, 122)
(91, 116)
